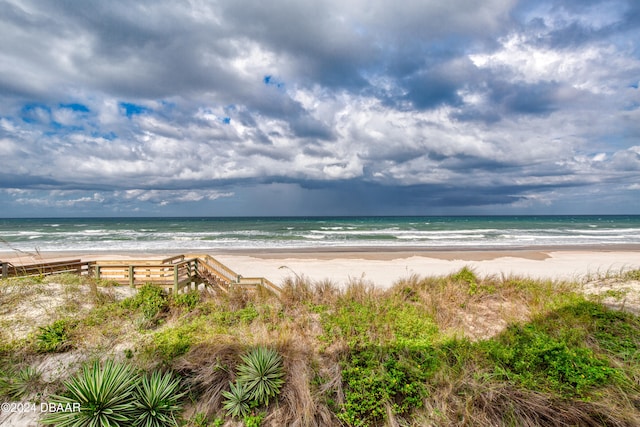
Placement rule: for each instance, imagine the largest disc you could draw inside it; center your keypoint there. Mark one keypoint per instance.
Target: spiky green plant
(158, 400)
(20, 384)
(237, 400)
(105, 395)
(262, 374)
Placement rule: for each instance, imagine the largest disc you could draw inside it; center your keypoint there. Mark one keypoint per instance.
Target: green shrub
(253, 420)
(157, 400)
(54, 337)
(616, 332)
(115, 395)
(187, 301)
(540, 362)
(104, 394)
(200, 419)
(382, 322)
(228, 318)
(260, 377)
(467, 276)
(172, 342)
(375, 378)
(150, 301)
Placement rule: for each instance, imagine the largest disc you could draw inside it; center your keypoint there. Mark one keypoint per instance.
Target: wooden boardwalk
(174, 274)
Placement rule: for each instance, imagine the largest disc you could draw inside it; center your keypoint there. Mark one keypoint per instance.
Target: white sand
(386, 269)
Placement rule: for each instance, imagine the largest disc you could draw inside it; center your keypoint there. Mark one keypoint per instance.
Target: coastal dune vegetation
(444, 351)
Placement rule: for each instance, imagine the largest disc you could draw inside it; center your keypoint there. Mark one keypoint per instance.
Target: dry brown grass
(481, 310)
(503, 404)
(209, 368)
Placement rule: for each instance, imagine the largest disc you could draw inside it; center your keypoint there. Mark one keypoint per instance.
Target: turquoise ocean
(284, 233)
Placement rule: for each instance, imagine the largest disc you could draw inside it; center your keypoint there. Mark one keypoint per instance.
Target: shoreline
(384, 266)
(326, 251)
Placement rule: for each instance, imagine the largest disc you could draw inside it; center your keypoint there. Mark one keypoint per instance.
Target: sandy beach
(383, 267)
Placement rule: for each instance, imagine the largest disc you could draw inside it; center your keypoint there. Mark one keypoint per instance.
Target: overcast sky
(323, 107)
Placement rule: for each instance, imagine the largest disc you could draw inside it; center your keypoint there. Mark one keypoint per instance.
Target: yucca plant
(18, 385)
(105, 395)
(262, 374)
(237, 400)
(158, 400)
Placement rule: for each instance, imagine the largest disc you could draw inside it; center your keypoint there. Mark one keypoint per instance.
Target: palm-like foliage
(18, 385)
(237, 402)
(158, 399)
(262, 374)
(104, 394)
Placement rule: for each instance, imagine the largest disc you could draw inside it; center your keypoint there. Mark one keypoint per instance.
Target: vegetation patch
(378, 379)
(150, 301)
(55, 337)
(18, 384)
(115, 394)
(532, 358)
(414, 354)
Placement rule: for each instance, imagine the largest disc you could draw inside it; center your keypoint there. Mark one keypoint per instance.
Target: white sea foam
(185, 235)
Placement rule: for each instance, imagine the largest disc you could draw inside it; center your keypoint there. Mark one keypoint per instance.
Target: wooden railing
(75, 266)
(253, 282)
(216, 267)
(173, 274)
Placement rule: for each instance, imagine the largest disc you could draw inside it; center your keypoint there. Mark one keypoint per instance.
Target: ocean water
(200, 234)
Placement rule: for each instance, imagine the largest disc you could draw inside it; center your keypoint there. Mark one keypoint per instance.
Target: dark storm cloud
(26, 181)
(537, 98)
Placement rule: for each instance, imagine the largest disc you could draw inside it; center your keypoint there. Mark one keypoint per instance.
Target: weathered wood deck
(174, 274)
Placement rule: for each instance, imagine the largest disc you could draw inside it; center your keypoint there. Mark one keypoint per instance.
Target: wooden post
(131, 276)
(175, 279)
(5, 269)
(97, 272)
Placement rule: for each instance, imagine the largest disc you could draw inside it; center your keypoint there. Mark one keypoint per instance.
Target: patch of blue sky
(35, 113)
(269, 80)
(58, 127)
(74, 106)
(109, 136)
(131, 109)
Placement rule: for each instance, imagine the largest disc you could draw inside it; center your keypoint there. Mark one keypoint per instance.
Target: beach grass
(449, 350)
